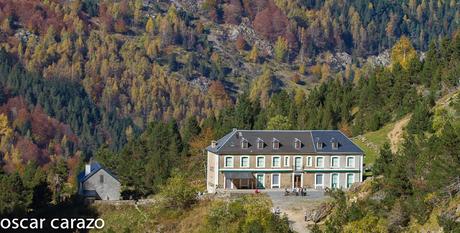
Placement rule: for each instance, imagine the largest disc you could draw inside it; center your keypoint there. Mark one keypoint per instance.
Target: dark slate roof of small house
(95, 167)
(231, 143)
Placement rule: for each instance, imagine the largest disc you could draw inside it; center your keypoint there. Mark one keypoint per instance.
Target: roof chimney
(213, 144)
(87, 169)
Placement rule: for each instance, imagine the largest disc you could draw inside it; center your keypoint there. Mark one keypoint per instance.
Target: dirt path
(296, 206)
(396, 134)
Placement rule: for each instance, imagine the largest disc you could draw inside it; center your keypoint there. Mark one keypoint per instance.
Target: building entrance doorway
(297, 181)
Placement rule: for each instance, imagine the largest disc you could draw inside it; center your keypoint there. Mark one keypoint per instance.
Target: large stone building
(98, 183)
(271, 159)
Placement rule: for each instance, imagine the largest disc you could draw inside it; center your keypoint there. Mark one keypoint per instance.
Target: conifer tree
(384, 161)
(281, 49)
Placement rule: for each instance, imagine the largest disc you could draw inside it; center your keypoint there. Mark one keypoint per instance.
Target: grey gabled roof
(345, 145)
(231, 143)
(95, 167)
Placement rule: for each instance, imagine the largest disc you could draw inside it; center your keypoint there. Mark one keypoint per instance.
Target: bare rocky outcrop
(319, 213)
(383, 59)
(249, 34)
(369, 144)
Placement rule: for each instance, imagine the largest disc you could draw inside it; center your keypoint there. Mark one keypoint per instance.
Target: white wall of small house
(109, 189)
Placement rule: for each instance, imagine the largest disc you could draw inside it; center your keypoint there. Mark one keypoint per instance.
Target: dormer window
(276, 144)
(334, 144)
(297, 143)
(260, 143)
(244, 143)
(319, 144)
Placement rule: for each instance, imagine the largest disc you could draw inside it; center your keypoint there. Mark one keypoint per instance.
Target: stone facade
(313, 167)
(96, 183)
(107, 187)
(287, 171)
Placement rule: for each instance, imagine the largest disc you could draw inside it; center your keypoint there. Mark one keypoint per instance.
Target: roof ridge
(313, 142)
(224, 142)
(349, 139)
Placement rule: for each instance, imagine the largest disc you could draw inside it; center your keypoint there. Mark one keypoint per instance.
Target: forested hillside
(144, 86)
(150, 60)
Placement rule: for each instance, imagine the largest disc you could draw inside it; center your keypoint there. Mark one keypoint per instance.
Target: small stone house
(98, 183)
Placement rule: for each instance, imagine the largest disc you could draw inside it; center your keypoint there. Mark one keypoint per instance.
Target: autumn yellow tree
(13, 160)
(201, 141)
(281, 49)
(5, 131)
(302, 69)
(262, 87)
(150, 26)
(403, 52)
(325, 72)
(253, 56)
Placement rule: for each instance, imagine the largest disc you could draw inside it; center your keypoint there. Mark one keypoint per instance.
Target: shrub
(178, 192)
(246, 214)
(369, 223)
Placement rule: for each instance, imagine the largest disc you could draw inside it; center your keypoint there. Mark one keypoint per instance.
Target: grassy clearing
(231, 215)
(127, 218)
(370, 153)
(374, 141)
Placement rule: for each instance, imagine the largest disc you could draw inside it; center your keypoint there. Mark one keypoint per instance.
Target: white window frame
(346, 180)
(297, 144)
(309, 161)
(335, 145)
(338, 161)
(241, 161)
(316, 161)
(284, 161)
(260, 146)
(257, 163)
(225, 161)
(301, 162)
(279, 157)
(319, 145)
(279, 179)
(338, 179)
(353, 163)
(277, 143)
(322, 180)
(244, 144)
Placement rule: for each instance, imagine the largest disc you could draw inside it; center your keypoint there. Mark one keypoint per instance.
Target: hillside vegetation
(143, 86)
(415, 189)
(245, 214)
